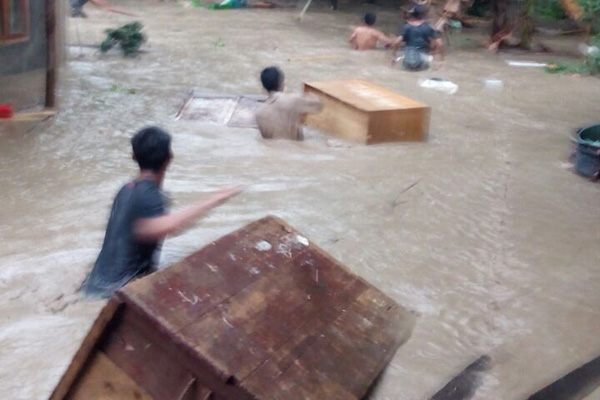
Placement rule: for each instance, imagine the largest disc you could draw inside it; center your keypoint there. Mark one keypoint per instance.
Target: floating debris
(440, 84)
(526, 64)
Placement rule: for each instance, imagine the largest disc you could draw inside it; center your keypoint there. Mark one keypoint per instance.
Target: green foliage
(219, 44)
(480, 8)
(129, 37)
(118, 89)
(593, 56)
(590, 66)
(550, 9)
(591, 12)
(591, 7)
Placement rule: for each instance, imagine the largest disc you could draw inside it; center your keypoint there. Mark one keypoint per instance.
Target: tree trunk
(512, 24)
(500, 16)
(526, 24)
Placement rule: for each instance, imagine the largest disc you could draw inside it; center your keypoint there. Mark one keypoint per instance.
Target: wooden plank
(338, 117)
(402, 125)
(364, 95)
(266, 314)
(26, 18)
(145, 360)
(103, 380)
(345, 349)
(177, 348)
(210, 276)
(31, 116)
(5, 19)
(282, 320)
(361, 111)
(87, 347)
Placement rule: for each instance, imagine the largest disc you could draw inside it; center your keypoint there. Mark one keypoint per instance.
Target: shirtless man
(365, 37)
(280, 117)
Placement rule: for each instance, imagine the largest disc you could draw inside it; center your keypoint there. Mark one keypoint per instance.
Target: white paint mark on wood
(212, 267)
(302, 240)
(193, 301)
(263, 245)
(227, 322)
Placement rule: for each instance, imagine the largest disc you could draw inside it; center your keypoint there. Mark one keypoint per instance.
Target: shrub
(129, 38)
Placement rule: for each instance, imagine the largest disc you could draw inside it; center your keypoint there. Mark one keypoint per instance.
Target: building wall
(23, 66)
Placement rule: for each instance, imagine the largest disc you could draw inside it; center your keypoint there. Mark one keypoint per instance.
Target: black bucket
(587, 154)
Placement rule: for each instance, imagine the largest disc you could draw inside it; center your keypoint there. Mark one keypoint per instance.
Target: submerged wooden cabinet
(260, 314)
(359, 110)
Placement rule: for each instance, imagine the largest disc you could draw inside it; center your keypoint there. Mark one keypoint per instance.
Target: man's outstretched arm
(157, 228)
(110, 7)
(385, 39)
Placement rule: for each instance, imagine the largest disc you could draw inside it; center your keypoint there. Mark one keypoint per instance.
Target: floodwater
(494, 246)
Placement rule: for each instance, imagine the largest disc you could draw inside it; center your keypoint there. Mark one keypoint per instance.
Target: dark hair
(151, 148)
(370, 18)
(271, 79)
(419, 11)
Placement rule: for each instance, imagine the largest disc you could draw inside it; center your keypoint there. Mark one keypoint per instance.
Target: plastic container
(6, 110)
(228, 5)
(587, 152)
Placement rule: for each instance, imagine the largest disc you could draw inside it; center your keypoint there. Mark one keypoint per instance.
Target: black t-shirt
(419, 36)
(122, 257)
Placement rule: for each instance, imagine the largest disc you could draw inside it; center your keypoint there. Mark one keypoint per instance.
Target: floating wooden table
(359, 110)
(259, 314)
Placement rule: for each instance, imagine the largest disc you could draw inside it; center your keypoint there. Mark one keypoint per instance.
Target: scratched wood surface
(363, 111)
(275, 315)
(103, 380)
(261, 313)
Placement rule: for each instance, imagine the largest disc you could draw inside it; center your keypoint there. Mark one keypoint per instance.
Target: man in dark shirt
(139, 221)
(421, 40)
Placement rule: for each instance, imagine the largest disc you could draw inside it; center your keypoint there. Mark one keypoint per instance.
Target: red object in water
(6, 110)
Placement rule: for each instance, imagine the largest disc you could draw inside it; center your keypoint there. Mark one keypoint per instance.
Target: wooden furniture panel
(144, 359)
(338, 117)
(359, 110)
(394, 126)
(103, 380)
(259, 314)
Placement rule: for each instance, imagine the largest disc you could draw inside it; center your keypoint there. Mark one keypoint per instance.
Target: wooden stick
(308, 2)
(110, 7)
(51, 59)
(30, 116)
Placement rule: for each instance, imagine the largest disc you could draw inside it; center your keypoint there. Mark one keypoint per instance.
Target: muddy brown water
(495, 246)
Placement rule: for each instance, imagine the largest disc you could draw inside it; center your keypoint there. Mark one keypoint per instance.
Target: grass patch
(571, 68)
(117, 89)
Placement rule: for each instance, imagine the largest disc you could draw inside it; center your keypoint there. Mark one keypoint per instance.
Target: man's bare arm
(397, 42)
(156, 229)
(438, 48)
(385, 39)
(110, 7)
(310, 104)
